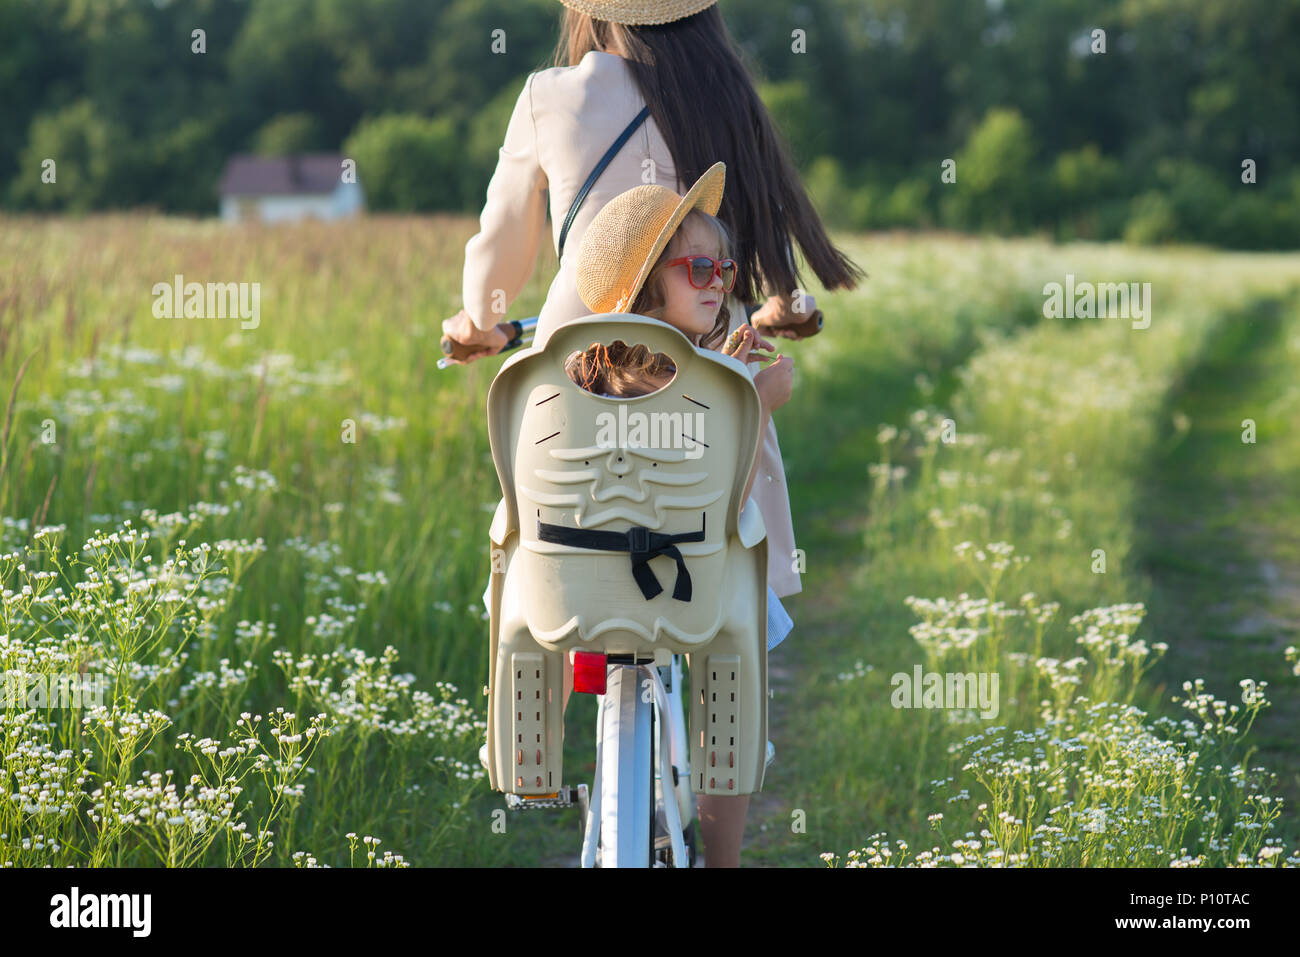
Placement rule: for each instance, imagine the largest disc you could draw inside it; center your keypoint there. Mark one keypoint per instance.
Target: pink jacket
(563, 122)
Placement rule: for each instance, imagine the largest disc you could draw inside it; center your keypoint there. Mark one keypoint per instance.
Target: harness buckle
(638, 539)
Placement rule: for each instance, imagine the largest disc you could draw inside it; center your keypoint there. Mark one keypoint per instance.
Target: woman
(614, 58)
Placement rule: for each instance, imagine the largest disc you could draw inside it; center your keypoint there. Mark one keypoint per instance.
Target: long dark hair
(764, 203)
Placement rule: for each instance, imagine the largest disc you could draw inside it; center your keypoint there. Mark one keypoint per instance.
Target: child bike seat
(622, 530)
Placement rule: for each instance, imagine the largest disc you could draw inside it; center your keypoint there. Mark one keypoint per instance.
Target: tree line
(1146, 120)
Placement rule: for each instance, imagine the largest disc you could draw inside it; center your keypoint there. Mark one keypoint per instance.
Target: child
(689, 299)
(653, 253)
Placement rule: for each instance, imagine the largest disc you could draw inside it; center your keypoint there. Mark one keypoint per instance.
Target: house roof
(303, 174)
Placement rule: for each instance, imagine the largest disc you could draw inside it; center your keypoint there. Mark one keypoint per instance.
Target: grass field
(307, 681)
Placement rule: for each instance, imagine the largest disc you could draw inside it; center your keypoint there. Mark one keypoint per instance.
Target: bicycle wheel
(674, 800)
(626, 782)
(681, 750)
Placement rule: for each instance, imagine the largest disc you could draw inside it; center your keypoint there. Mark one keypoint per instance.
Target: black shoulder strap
(595, 173)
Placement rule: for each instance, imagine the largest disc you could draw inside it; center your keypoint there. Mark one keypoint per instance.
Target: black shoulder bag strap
(595, 173)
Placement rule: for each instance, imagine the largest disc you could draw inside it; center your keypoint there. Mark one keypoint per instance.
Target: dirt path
(827, 463)
(1220, 522)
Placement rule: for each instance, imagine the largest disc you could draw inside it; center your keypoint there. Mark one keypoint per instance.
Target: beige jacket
(563, 122)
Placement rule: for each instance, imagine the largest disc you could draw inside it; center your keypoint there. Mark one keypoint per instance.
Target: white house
(277, 189)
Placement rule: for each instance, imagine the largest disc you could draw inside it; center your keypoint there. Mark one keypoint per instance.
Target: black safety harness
(642, 543)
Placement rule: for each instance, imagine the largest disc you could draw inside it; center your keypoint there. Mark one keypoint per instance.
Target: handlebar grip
(512, 330)
(809, 327)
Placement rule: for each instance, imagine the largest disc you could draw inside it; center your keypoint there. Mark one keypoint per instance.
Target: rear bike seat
(621, 530)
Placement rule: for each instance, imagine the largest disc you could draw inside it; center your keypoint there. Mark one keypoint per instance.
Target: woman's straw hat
(638, 12)
(626, 238)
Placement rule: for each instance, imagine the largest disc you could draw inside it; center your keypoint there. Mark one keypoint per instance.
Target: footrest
(567, 796)
(530, 751)
(714, 751)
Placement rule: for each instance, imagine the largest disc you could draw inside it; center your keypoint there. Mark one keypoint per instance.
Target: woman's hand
(461, 328)
(779, 311)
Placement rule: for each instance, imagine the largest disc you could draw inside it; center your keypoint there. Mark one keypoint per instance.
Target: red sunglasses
(703, 269)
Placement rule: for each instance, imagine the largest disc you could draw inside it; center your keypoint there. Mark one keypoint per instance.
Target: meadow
(271, 541)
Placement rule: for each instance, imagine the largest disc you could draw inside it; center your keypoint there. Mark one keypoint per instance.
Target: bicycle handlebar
(515, 329)
(809, 327)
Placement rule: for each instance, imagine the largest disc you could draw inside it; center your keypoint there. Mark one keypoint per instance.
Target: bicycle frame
(632, 753)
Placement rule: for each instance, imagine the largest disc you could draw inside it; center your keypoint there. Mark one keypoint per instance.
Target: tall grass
(1021, 511)
(338, 602)
(288, 621)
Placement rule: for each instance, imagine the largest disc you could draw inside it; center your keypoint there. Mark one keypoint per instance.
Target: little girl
(669, 294)
(653, 253)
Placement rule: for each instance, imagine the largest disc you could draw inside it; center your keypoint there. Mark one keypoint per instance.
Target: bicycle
(640, 809)
(628, 819)
(636, 813)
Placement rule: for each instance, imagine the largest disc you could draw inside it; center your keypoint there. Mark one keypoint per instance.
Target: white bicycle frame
(632, 754)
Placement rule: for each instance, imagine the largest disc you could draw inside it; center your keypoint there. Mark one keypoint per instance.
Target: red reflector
(589, 672)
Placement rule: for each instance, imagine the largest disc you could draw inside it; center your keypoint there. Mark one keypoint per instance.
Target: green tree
(1152, 220)
(408, 163)
(1084, 184)
(829, 193)
(802, 116)
(289, 133)
(995, 186)
(86, 149)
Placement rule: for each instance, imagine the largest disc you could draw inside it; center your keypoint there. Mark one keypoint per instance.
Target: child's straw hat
(638, 12)
(626, 238)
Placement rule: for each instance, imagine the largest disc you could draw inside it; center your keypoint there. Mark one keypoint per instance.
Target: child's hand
(775, 383)
(744, 341)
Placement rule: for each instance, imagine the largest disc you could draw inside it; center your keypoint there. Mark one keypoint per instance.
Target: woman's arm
(500, 258)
